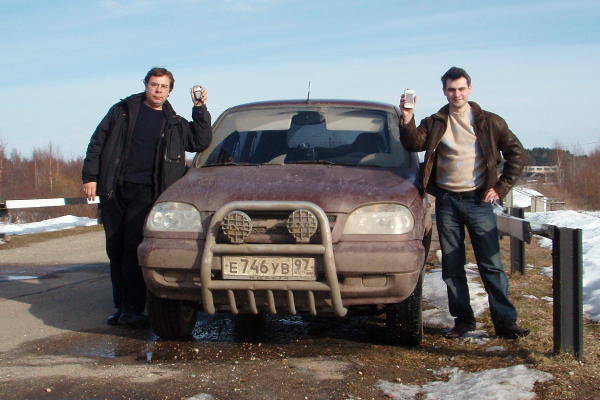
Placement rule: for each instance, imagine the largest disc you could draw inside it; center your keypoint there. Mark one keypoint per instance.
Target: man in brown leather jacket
(464, 145)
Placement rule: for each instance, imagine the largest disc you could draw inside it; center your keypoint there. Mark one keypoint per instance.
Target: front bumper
(349, 273)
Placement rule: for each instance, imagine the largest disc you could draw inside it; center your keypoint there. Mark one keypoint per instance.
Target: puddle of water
(266, 328)
(102, 344)
(223, 337)
(46, 271)
(8, 278)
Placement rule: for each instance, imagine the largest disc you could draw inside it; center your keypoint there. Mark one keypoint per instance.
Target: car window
(335, 135)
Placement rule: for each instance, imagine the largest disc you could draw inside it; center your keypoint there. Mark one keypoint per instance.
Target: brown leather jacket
(493, 136)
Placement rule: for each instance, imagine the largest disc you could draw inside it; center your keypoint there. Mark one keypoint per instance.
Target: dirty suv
(296, 207)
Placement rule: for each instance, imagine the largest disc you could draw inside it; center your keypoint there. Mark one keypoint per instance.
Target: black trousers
(123, 217)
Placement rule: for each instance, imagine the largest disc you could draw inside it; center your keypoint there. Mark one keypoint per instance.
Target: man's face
(157, 91)
(457, 92)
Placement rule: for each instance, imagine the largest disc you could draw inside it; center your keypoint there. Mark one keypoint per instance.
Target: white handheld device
(198, 92)
(409, 95)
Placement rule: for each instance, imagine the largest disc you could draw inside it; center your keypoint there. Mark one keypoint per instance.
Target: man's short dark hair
(455, 73)
(158, 71)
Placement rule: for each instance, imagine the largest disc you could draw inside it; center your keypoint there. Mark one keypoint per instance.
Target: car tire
(404, 321)
(172, 319)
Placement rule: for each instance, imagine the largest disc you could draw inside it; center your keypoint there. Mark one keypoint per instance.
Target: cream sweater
(460, 164)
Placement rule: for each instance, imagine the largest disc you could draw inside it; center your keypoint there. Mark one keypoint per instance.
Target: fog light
(236, 225)
(302, 224)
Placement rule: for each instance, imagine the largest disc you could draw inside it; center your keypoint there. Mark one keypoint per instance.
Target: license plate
(269, 268)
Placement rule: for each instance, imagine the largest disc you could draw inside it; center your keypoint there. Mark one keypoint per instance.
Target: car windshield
(306, 134)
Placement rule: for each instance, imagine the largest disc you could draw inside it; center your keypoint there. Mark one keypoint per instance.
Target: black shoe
(511, 332)
(134, 319)
(114, 319)
(459, 330)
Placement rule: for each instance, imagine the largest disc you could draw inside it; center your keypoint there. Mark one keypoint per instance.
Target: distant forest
(545, 156)
(46, 174)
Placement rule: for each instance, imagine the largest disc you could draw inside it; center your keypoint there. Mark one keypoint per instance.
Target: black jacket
(106, 156)
(493, 136)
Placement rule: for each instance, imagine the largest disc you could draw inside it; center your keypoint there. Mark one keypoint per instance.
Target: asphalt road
(55, 297)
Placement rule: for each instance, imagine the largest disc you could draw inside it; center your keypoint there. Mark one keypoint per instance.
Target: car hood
(334, 188)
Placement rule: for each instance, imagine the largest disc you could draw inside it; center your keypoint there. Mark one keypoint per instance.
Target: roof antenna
(308, 98)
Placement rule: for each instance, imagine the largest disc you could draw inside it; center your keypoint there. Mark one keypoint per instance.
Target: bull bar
(324, 250)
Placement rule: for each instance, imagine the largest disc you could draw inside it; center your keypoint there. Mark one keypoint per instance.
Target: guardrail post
(567, 260)
(517, 246)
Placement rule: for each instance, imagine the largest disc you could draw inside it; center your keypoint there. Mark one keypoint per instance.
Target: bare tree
(45, 174)
(559, 157)
(2, 157)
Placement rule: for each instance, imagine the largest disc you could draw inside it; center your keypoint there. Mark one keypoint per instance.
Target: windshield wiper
(311, 162)
(223, 164)
(326, 162)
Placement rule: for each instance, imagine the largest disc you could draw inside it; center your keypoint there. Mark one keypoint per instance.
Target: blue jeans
(452, 215)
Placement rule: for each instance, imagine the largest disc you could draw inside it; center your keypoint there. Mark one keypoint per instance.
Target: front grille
(270, 227)
(265, 231)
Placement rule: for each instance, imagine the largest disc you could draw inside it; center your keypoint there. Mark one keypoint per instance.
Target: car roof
(318, 102)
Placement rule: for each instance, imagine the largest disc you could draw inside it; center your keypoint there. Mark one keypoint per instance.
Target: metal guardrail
(567, 275)
(56, 202)
(34, 203)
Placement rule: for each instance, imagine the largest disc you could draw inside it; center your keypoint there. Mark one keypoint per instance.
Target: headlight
(380, 219)
(174, 217)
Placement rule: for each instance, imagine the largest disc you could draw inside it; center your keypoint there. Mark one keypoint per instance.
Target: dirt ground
(55, 344)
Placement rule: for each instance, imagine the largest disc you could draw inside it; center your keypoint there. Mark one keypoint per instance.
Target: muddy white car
(296, 207)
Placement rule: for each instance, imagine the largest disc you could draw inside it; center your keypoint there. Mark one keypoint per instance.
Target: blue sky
(535, 63)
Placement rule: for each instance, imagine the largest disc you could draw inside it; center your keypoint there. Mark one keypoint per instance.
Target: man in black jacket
(136, 152)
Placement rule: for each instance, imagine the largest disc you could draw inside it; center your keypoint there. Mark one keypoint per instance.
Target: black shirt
(146, 133)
